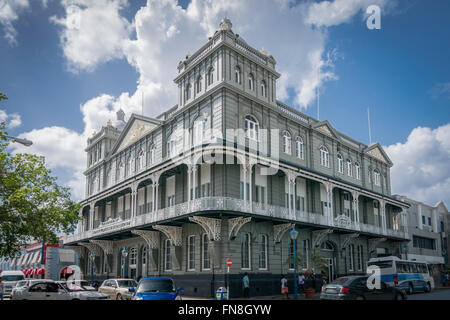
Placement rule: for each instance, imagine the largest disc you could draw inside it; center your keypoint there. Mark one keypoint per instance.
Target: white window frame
(349, 168)
(249, 249)
(141, 159)
(324, 156)
(251, 82)
(287, 142)
(340, 160)
(171, 146)
(198, 84)
(191, 250)
(198, 131)
(357, 171)
(376, 177)
(206, 258)
(210, 76)
(187, 92)
(237, 75)
(262, 246)
(263, 89)
(251, 127)
(167, 255)
(300, 148)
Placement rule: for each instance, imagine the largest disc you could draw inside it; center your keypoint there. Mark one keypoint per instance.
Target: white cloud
(92, 32)
(440, 89)
(12, 120)
(421, 168)
(9, 14)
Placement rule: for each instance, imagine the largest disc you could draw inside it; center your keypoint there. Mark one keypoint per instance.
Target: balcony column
(189, 172)
(329, 188)
(244, 173)
(293, 197)
(356, 208)
(155, 185)
(194, 184)
(383, 216)
(133, 200)
(91, 216)
(250, 174)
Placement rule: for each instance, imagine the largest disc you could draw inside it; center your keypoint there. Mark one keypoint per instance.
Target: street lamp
(124, 255)
(293, 234)
(25, 142)
(92, 257)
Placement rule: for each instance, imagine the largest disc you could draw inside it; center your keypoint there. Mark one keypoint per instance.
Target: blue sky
(401, 72)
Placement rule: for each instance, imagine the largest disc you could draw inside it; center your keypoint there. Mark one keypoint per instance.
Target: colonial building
(227, 173)
(428, 234)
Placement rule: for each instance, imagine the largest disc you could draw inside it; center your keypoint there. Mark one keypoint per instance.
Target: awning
(13, 262)
(30, 271)
(67, 270)
(40, 271)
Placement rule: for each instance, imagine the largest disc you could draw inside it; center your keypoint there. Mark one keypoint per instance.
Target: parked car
(355, 288)
(118, 289)
(81, 290)
(10, 279)
(156, 289)
(43, 290)
(23, 285)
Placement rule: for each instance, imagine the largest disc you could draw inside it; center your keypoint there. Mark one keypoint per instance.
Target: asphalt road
(439, 294)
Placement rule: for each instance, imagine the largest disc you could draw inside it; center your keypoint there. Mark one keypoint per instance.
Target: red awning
(67, 270)
(40, 271)
(30, 271)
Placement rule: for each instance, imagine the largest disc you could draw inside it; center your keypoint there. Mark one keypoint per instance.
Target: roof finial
(225, 24)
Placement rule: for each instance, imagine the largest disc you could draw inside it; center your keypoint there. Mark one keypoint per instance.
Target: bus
(411, 276)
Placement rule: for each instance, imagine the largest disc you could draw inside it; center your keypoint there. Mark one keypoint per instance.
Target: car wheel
(410, 289)
(428, 287)
(119, 297)
(360, 298)
(398, 296)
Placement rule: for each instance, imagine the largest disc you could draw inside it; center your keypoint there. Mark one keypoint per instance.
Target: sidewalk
(274, 297)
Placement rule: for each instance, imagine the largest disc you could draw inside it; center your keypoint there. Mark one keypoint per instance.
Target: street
(439, 294)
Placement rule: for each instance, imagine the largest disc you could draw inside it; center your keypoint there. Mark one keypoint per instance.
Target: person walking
(1, 288)
(301, 282)
(246, 285)
(284, 286)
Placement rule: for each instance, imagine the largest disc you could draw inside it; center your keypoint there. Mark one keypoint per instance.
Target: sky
(68, 65)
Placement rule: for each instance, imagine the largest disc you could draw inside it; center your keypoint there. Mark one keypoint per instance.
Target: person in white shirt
(301, 282)
(284, 286)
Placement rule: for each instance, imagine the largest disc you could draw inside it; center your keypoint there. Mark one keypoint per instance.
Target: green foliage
(32, 205)
(318, 263)
(3, 97)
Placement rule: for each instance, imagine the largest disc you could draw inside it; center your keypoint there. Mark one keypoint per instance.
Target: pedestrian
(1, 288)
(284, 286)
(246, 285)
(301, 282)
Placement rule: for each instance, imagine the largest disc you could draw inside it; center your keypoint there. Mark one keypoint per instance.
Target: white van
(10, 279)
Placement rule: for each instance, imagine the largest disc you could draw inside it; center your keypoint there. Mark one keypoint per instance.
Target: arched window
(130, 168)
(171, 146)
(251, 82)
(376, 177)
(251, 127)
(187, 92)
(263, 89)
(286, 142)
(262, 245)
(210, 76)
(167, 256)
(299, 143)
(340, 163)
(349, 168)
(324, 157)
(206, 262)
(245, 251)
(152, 154)
(357, 171)
(133, 256)
(199, 129)
(237, 75)
(198, 84)
(141, 160)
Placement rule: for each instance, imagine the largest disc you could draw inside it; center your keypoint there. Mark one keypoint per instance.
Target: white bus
(410, 276)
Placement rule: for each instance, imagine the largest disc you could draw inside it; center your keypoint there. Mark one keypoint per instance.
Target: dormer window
(237, 75)
(251, 127)
(263, 89)
(251, 85)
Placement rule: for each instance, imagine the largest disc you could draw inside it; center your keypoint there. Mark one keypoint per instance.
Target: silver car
(118, 289)
(81, 290)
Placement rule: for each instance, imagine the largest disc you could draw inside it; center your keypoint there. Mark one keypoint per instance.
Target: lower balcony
(144, 217)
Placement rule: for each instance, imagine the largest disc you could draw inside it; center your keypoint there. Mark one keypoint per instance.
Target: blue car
(156, 289)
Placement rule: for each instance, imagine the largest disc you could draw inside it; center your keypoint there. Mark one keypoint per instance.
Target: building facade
(227, 173)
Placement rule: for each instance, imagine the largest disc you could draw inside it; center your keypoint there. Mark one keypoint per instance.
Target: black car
(355, 288)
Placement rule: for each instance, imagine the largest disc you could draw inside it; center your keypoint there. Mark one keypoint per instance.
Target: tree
(3, 97)
(32, 205)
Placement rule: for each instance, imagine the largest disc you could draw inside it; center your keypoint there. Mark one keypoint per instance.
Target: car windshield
(127, 283)
(340, 281)
(72, 287)
(156, 285)
(12, 278)
(21, 284)
(86, 286)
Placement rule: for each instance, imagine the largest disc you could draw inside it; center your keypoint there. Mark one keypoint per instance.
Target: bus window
(413, 268)
(381, 264)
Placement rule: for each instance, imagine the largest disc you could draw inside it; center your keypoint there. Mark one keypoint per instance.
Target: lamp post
(25, 142)
(124, 255)
(293, 234)
(92, 257)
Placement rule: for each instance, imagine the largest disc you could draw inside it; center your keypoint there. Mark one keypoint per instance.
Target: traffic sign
(229, 262)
